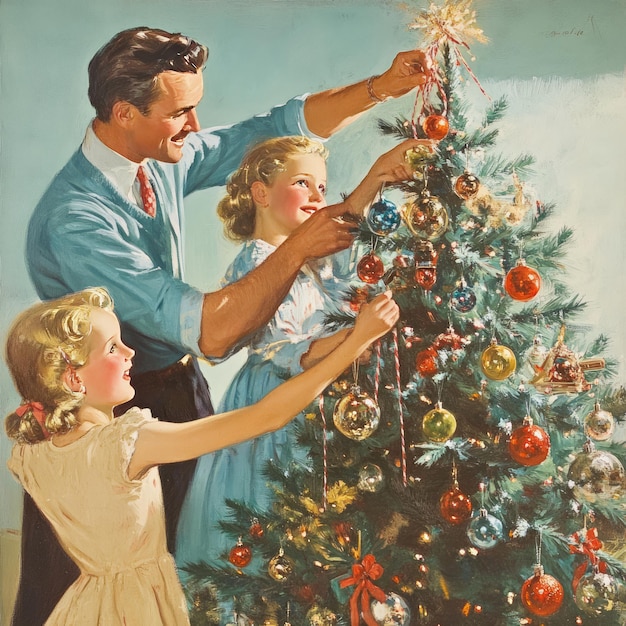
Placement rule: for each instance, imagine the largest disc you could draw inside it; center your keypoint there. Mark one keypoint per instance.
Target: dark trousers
(177, 394)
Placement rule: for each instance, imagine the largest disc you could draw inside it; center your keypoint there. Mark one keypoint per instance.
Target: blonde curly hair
(263, 162)
(42, 343)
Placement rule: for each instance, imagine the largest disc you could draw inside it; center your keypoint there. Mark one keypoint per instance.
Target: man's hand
(324, 233)
(408, 70)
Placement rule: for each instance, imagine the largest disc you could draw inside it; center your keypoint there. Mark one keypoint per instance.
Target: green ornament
(439, 424)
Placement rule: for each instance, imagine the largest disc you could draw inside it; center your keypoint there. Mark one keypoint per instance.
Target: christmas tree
(470, 473)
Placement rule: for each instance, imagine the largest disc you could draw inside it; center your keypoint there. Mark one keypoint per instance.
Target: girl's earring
(82, 389)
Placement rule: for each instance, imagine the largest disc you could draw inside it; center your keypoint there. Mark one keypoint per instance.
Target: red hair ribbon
(363, 574)
(38, 411)
(586, 542)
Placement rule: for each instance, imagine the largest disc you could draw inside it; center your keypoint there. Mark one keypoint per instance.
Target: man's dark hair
(126, 68)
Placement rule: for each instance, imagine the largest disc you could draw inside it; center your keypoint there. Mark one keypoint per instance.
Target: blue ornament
(485, 530)
(463, 298)
(383, 217)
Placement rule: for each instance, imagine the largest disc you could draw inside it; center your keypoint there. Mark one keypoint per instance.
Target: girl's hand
(393, 166)
(377, 317)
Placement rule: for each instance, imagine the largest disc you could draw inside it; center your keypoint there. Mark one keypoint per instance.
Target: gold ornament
(438, 424)
(562, 371)
(425, 217)
(498, 212)
(356, 415)
(498, 362)
(280, 567)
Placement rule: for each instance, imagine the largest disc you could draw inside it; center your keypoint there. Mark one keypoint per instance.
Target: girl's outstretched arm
(166, 442)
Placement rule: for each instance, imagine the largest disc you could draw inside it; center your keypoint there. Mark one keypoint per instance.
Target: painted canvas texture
(560, 65)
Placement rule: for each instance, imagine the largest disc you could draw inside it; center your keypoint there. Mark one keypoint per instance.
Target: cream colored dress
(112, 527)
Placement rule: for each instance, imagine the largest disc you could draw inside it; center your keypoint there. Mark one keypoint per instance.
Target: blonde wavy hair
(42, 343)
(263, 162)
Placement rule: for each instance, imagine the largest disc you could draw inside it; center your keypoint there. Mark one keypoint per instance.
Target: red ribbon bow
(38, 412)
(363, 574)
(586, 542)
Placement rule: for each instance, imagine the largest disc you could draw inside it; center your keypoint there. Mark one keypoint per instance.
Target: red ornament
(529, 444)
(542, 594)
(455, 506)
(256, 530)
(306, 593)
(448, 341)
(426, 363)
(426, 277)
(240, 555)
(345, 533)
(466, 186)
(370, 269)
(435, 127)
(522, 282)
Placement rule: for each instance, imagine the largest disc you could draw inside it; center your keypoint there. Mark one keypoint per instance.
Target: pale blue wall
(561, 62)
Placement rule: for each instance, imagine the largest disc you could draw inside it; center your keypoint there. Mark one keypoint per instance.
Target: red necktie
(147, 193)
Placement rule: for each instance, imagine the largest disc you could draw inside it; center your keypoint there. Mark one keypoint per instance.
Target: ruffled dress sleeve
(300, 318)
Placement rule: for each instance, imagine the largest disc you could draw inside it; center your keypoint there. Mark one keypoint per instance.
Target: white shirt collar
(120, 171)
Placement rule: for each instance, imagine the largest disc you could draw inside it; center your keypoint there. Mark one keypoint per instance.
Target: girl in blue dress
(280, 183)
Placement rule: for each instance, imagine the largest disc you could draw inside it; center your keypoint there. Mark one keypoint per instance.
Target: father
(113, 217)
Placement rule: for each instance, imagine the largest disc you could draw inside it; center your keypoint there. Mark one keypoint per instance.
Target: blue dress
(274, 354)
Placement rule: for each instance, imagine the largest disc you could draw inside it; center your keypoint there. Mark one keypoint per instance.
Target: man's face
(172, 116)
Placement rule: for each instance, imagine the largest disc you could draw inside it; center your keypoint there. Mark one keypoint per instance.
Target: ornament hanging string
(451, 24)
(396, 355)
(377, 373)
(363, 574)
(538, 540)
(324, 454)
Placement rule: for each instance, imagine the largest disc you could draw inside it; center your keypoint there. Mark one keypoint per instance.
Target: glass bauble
(529, 444)
(542, 594)
(596, 474)
(394, 611)
(426, 362)
(356, 415)
(522, 282)
(450, 340)
(240, 555)
(426, 277)
(438, 424)
(319, 616)
(383, 217)
(426, 217)
(425, 254)
(371, 478)
(596, 593)
(485, 530)
(370, 269)
(463, 298)
(599, 424)
(256, 530)
(538, 353)
(466, 186)
(426, 258)
(498, 362)
(345, 533)
(280, 567)
(435, 126)
(565, 368)
(455, 506)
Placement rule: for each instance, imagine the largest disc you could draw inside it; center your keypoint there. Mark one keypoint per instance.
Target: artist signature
(576, 31)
